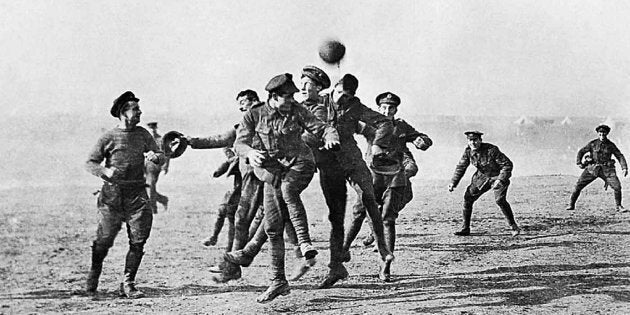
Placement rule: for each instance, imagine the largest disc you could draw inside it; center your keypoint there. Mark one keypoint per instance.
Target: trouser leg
(361, 181)
(333, 184)
(585, 179)
(500, 197)
(291, 188)
(250, 201)
(274, 227)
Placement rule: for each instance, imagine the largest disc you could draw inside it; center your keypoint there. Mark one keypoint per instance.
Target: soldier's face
(339, 96)
(132, 112)
(602, 135)
(244, 104)
(282, 102)
(309, 89)
(388, 110)
(474, 143)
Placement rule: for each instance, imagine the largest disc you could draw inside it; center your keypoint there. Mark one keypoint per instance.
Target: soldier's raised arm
(221, 140)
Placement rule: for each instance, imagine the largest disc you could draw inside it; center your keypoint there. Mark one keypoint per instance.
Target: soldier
(152, 172)
(389, 185)
(600, 165)
(494, 170)
(269, 137)
(342, 110)
(227, 209)
(123, 197)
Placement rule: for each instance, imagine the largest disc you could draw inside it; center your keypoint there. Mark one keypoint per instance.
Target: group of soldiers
(273, 153)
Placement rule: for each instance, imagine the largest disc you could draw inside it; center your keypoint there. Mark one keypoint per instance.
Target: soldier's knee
(103, 243)
(137, 247)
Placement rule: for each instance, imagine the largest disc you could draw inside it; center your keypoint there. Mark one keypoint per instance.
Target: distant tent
(566, 121)
(523, 120)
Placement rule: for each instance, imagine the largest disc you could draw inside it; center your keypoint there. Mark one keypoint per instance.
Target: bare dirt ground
(564, 262)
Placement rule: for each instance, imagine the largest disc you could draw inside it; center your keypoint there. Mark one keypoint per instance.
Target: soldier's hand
(625, 172)
(151, 156)
(165, 170)
(256, 157)
(332, 145)
(109, 173)
(581, 166)
(451, 187)
(188, 139)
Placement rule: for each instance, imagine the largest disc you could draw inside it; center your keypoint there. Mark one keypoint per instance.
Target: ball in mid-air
(332, 51)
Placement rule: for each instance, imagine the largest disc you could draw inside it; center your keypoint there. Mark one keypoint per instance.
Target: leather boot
(574, 197)
(98, 255)
(277, 288)
(132, 262)
(384, 272)
(229, 271)
(335, 273)
(302, 269)
(238, 257)
(465, 231)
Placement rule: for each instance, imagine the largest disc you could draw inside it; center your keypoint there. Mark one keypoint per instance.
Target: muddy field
(564, 262)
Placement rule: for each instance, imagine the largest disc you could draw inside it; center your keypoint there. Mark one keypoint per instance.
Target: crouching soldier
(600, 165)
(123, 197)
(494, 170)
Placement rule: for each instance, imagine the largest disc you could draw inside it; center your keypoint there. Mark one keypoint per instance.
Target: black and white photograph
(315, 157)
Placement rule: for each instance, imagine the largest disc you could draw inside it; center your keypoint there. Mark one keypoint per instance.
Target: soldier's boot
(302, 269)
(164, 201)
(574, 197)
(98, 255)
(336, 272)
(277, 288)
(239, 257)
(509, 216)
(619, 207)
(229, 271)
(465, 231)
(389, 228)
(132, 263)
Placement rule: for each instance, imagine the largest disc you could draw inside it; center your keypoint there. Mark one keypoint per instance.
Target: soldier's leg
(245, 256)
(230, 217)
(290, 232)
(219, 221)
(274, 226)
(470, 196)
(360, 180)
(359, 213)
(500, 197)
(612, 180)
(256, 222)
(585, 179)
(292, 185)
(358, 216)
(333, 184)
(392, 204)
(109, 218)
(250, 201)
(139, 218)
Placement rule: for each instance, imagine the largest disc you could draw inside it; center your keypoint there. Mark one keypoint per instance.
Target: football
(332, 51)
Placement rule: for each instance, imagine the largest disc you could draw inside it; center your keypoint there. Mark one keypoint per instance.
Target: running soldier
(123, 197)
(269, 137)
(389, 185)
(152, 172)
(600, 165)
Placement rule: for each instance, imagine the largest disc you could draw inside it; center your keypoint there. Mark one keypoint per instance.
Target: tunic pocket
(110, 195)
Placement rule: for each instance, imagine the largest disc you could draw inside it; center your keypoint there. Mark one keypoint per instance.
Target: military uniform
(492, 166)
(347, 165)
(602, 166)
(288, 166)
(390, 189)
(123, 197)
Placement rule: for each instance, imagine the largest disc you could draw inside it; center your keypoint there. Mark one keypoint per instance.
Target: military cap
(121, 101)
(349, 83)
(316, 74)
(152, 124)
(282, 83)
(473, 134)
(603, 128)
(388, 98)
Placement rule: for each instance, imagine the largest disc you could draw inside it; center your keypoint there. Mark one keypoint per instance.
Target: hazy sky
(442, 57)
